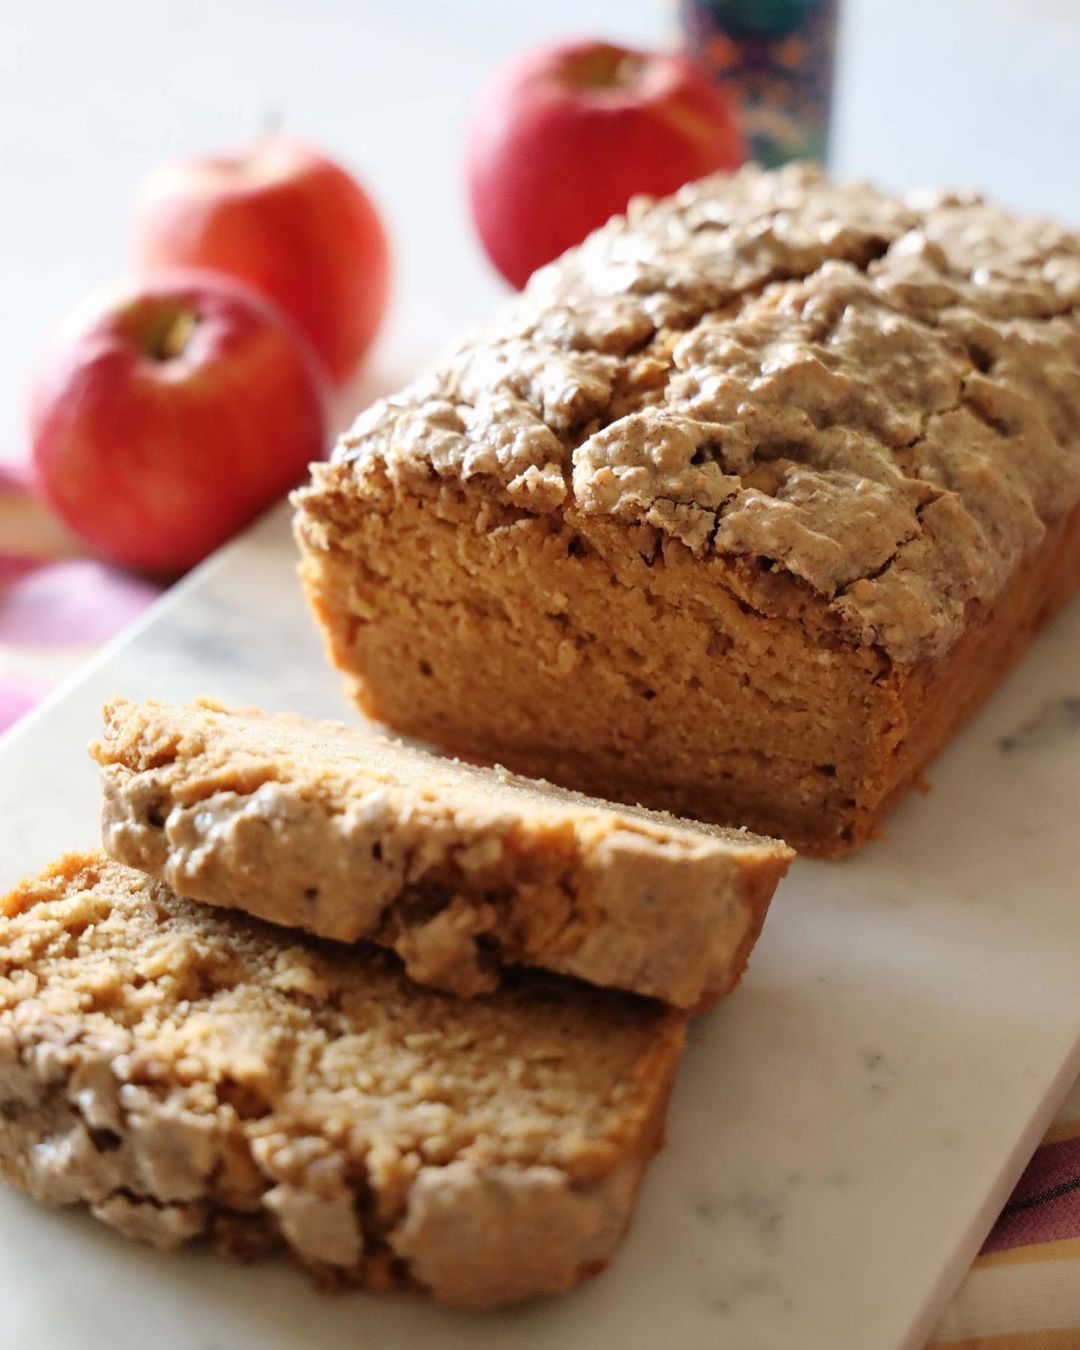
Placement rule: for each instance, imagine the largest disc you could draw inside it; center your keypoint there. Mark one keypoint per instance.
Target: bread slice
(461, 870)
(191, 1073)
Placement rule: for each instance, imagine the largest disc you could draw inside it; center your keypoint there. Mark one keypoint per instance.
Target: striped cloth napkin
(1023, 1291)
(57, 606)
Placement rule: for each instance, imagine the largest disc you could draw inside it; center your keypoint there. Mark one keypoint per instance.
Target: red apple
(564, 136)
(286, 220)
(168, 412)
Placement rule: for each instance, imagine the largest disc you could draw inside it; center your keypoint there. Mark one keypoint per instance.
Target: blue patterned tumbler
(777, 58)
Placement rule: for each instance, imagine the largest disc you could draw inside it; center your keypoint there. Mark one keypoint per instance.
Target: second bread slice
(460, 870)
(190, 1074)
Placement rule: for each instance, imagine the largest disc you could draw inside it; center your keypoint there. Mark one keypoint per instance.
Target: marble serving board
(844, 1129)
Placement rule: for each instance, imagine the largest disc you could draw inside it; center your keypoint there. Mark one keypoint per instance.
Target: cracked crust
(461, 870)
(192, 1074)
(847, 410)
(775, 367)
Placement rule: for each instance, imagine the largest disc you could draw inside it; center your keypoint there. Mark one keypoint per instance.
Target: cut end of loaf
(738, 511)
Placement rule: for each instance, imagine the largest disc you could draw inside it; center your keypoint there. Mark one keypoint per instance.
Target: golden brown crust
(191, 1074)
(878, 396)
(461, 870)
(931, 700)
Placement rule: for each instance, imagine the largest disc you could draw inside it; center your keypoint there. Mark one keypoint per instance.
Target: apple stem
(604, 68)
(174, 337)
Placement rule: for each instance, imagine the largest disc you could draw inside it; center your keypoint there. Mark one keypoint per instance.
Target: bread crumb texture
(462, 870)
(188, 1073)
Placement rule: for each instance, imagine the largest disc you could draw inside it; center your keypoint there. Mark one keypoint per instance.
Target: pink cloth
(16, 698)
(66, 603)
(1045, 1207)
(54, 608)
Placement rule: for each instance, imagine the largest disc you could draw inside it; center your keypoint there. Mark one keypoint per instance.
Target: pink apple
(564, 136)
(168, 412)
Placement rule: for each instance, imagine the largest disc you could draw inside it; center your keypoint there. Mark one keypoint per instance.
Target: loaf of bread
(738, 511)
(191, 1073)
(461, 870)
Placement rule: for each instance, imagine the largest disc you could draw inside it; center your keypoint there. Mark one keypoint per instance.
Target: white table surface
(845, 1128)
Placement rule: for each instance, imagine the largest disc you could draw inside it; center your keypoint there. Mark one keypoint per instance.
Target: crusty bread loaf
(461, 870)
(738, 511)
(190, 1073)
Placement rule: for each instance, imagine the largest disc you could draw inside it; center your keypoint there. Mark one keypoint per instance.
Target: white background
(93, 95)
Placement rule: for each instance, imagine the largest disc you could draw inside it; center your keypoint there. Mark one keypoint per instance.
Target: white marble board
(844, 1128)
